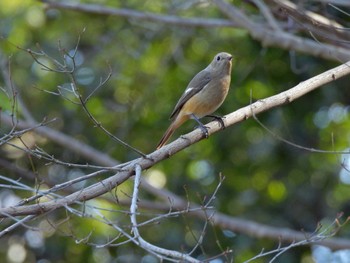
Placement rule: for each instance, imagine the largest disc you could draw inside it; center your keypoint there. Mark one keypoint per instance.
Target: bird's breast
(209, 99)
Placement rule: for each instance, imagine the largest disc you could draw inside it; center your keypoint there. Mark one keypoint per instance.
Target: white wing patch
(188, 90)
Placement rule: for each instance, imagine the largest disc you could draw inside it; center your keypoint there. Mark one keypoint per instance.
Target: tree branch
(160, 252)
(128, 170)
(183, 142)
(271, 37)
(265, 33)
(144, 16)
(248, 227)
(63, 140)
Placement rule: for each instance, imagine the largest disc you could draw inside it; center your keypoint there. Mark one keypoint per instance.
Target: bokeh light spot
(321, 118)
(156, 178)
(276, 191)
(16, 253)
(85, 76)
(202, 170)
(35, 16)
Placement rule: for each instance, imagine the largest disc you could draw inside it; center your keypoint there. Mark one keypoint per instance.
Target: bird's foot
(204, 130)
(219, 119)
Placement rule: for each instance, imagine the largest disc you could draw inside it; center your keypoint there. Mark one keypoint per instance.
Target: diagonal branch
(108, 184)
(185, 141)
(327, 29)
(271, 37)
(265, 33)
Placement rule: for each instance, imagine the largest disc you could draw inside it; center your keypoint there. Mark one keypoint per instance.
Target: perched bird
(204, 94)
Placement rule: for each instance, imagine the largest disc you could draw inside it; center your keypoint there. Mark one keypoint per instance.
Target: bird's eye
(218, 58)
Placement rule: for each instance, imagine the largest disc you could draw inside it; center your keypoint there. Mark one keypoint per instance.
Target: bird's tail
(166, 136)
(173, 126)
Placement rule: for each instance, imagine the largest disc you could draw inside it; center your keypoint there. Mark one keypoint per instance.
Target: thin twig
(316, 237)
(18, 223)
(280, 138)
(160, 252)
(267, 14)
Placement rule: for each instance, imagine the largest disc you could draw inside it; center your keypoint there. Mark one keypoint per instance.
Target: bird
(204, 94)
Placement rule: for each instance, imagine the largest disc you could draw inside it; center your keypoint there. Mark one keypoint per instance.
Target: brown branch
(143, 16)
(270, 37)
(264, 33)
(327, 29)
(174, 147)
(189, 139)
(308, 16)
(244, 226)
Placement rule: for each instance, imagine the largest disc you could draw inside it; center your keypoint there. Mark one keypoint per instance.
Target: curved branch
(159, 251)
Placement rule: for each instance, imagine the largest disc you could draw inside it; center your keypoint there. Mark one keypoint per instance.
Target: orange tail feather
(173, 126)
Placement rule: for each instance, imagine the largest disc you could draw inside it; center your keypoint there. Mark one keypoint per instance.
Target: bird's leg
(203, 128)
(219, 119)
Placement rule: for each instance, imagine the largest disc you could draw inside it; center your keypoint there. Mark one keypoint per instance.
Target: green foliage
(266, 180)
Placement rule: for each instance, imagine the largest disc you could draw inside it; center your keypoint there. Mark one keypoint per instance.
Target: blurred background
(266, 180)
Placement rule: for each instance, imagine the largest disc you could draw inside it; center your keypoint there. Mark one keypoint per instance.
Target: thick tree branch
(185, 141)
(266, 33)
(327, 29)
(128, 170)
(271, 37)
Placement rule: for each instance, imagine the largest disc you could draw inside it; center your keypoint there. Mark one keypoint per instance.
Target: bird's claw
(219, 119)
(205, 131)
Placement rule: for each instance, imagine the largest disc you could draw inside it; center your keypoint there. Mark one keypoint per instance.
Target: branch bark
(161, 252)
(263, 32)
(271, 37)
(142, 16)
(250, 228)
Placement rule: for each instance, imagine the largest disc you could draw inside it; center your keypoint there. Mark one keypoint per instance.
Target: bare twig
(280, 138)
(248, 227)
(158, 251)
(316, 237)
(63, 140)
(69, 70)
(18, 223)
(267, 14)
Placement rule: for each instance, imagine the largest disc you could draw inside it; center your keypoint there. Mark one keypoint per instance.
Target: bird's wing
(196, 84)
